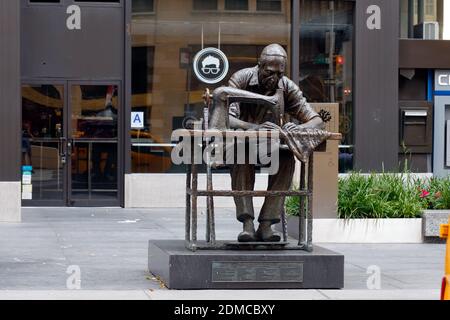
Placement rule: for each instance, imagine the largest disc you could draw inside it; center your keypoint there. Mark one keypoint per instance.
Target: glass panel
(425, 19)
(94, 112)
(42, 148)
(97, 1)
(202, 4)
(268, 5)
(164, 90)
(236, 4)
(95, 142)
(94, 170)
(142, 6)
(326, 62)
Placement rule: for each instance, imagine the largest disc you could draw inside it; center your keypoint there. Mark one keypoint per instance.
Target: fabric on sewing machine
(302, 142)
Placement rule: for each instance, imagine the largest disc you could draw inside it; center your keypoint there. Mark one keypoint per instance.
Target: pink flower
(424, 193)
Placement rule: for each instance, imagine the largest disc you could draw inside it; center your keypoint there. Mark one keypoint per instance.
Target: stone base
(180, 268)
(431, 222)
(10, 202)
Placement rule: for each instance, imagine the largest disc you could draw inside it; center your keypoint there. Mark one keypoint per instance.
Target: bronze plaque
(257, 271)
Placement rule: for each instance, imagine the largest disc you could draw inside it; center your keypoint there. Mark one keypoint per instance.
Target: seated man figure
(261, 83)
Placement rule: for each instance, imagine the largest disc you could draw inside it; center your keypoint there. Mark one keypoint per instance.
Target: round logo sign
(211, 65)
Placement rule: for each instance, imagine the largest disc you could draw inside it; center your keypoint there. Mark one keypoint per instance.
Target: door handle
(61, 145)
(70, 144)
(62, 151)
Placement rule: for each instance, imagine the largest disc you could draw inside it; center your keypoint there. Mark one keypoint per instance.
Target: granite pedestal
(180, 268)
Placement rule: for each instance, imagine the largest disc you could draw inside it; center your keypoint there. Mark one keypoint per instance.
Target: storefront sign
(137, 120)
(211, 65)
(442, 80)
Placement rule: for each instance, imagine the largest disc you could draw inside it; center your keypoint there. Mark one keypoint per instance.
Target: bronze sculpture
(263, 98)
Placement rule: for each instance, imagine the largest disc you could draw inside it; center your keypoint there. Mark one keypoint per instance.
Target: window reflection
(268, 5)
(42, 126)
(236, 4)
(163, 86)
(326, 62)
(425, 19)
(94, 150)
(205, 4)
(94, 112)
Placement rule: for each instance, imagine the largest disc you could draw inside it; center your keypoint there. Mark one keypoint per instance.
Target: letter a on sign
(374, 20)
(137, 120)
(74, 20)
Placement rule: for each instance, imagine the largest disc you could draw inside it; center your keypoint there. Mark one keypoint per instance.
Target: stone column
(10, 112)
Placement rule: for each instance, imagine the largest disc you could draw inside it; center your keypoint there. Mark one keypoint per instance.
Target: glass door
(43, 144)
(70, 144)
(93, 144)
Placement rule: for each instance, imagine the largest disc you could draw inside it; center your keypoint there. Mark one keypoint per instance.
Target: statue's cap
(273, 50)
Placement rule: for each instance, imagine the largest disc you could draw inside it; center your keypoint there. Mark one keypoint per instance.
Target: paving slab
(253, 295)
(74, 295)
(110, 247)
(382, 294)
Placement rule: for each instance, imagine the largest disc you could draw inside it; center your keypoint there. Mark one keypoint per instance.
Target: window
(236, 4)
(268, 5)
(205, 4)
(326, 62)
(164, 89)
(101, 1)
(142, 6)
(431, 22)
(430, 8)
(97, 0)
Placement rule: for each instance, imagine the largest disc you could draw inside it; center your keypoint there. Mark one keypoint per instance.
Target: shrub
(435, 193)
(292, 206)
(386, 195)
(382, 195)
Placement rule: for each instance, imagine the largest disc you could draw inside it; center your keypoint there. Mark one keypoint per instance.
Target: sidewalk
(110, 248)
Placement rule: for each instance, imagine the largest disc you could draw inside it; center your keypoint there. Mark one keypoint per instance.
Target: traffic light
(339, 59)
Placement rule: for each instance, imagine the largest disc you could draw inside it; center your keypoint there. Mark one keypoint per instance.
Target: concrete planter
(361, 230)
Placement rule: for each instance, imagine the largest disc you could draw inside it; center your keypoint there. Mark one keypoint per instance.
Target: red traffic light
(340, 60)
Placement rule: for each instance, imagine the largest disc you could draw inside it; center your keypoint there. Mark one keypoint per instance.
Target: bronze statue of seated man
(259, 89)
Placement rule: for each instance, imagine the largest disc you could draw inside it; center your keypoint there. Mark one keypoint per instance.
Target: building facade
(92, 90)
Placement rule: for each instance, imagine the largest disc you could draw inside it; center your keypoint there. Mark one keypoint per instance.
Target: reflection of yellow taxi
(149, 159)
(445, 291)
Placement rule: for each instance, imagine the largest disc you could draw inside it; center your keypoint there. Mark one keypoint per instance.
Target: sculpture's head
(272, 66)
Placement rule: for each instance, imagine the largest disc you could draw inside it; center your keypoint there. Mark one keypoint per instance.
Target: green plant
(292, 205)
(385, 195)
(435, 193)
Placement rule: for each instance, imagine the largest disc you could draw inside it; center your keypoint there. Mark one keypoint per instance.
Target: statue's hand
(290, 126)
(269, 126)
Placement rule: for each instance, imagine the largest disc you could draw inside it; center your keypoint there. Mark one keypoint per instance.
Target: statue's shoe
(267, 235)
(246, 236)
